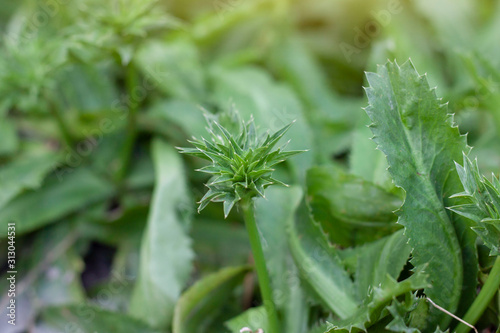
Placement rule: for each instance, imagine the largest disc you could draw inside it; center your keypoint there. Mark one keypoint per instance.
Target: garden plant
(262, 166)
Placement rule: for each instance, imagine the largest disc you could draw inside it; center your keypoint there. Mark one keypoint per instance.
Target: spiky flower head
(242, 163)
(484, 206)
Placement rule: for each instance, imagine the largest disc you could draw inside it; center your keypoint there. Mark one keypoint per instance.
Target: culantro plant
(241, 169)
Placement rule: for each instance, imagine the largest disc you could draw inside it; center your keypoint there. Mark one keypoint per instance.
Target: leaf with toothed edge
(414, 130)
(379, 299)
(376, 267)
(399, 310)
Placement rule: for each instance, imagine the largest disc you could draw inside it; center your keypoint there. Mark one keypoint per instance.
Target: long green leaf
(166, 253)
(321, 268)
(273, 215)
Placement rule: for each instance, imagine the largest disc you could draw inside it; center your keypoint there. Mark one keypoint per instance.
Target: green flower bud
(242, 164)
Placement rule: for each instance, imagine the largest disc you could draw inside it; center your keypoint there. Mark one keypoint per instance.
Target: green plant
(95, 96)
(407, 121)
(242, 164)
(484, 203)
(483, 208)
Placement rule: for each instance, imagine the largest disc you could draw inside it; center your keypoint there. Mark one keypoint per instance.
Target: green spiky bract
(484, 210)
(242, 164)
(484, 206)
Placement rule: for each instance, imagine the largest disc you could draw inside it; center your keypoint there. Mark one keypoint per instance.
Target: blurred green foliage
(95, 95)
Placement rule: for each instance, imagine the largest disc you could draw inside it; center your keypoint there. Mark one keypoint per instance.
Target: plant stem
(132, 82)
(260, 264)
(483, 299)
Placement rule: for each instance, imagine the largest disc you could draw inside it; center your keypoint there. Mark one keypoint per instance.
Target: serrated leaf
(379, 259)
(414, 130)
(166, 253)
(400, 314)
(231, 143)
(381, 296)
(375, 265)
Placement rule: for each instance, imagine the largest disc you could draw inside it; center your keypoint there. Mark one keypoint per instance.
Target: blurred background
(95, 95)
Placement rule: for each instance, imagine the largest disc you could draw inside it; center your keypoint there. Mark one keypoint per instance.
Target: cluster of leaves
(484, 208)
(95, 96)
(241, 166)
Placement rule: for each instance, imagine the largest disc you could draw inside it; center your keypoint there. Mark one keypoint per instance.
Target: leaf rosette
(484, 203)
(242, 164)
